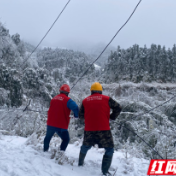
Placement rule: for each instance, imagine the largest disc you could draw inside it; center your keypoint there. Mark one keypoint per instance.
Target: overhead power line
(107, 44)
(149, 110)
(46, 33)
(144, 141)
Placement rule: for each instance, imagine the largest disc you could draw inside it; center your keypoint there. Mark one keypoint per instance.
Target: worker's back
(58, 114)
(96, 112)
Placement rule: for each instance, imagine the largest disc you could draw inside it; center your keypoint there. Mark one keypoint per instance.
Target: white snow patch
(18, 159)
(97, 66)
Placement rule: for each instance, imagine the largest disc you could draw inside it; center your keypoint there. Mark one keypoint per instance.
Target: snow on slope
(18, 159)
(97, 66)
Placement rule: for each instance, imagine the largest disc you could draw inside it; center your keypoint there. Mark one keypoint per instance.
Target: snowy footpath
(19, 159)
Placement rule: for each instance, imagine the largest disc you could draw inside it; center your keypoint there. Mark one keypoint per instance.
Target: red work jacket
(58, 114)
(96, 112)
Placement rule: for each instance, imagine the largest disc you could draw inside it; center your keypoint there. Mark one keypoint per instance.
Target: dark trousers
(62, 133)
(108, 151)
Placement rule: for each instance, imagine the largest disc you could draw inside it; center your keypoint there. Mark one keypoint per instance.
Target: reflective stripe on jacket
(96, 112)
(58, 114)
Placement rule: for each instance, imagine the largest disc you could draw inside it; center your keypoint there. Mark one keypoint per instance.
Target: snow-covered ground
(19, 159)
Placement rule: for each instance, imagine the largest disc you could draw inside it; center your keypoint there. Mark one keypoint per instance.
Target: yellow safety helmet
(96, 87)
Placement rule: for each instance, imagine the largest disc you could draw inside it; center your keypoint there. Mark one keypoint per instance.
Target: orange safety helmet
(65, 88)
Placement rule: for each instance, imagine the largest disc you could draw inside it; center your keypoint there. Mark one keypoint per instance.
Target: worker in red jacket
(95, 110)
(58, 117)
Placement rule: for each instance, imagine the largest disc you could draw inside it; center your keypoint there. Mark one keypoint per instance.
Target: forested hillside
(42, 74)
(64, 63)
(137, 64)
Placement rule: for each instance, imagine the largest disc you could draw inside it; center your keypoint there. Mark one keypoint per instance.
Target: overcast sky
(89, 22)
